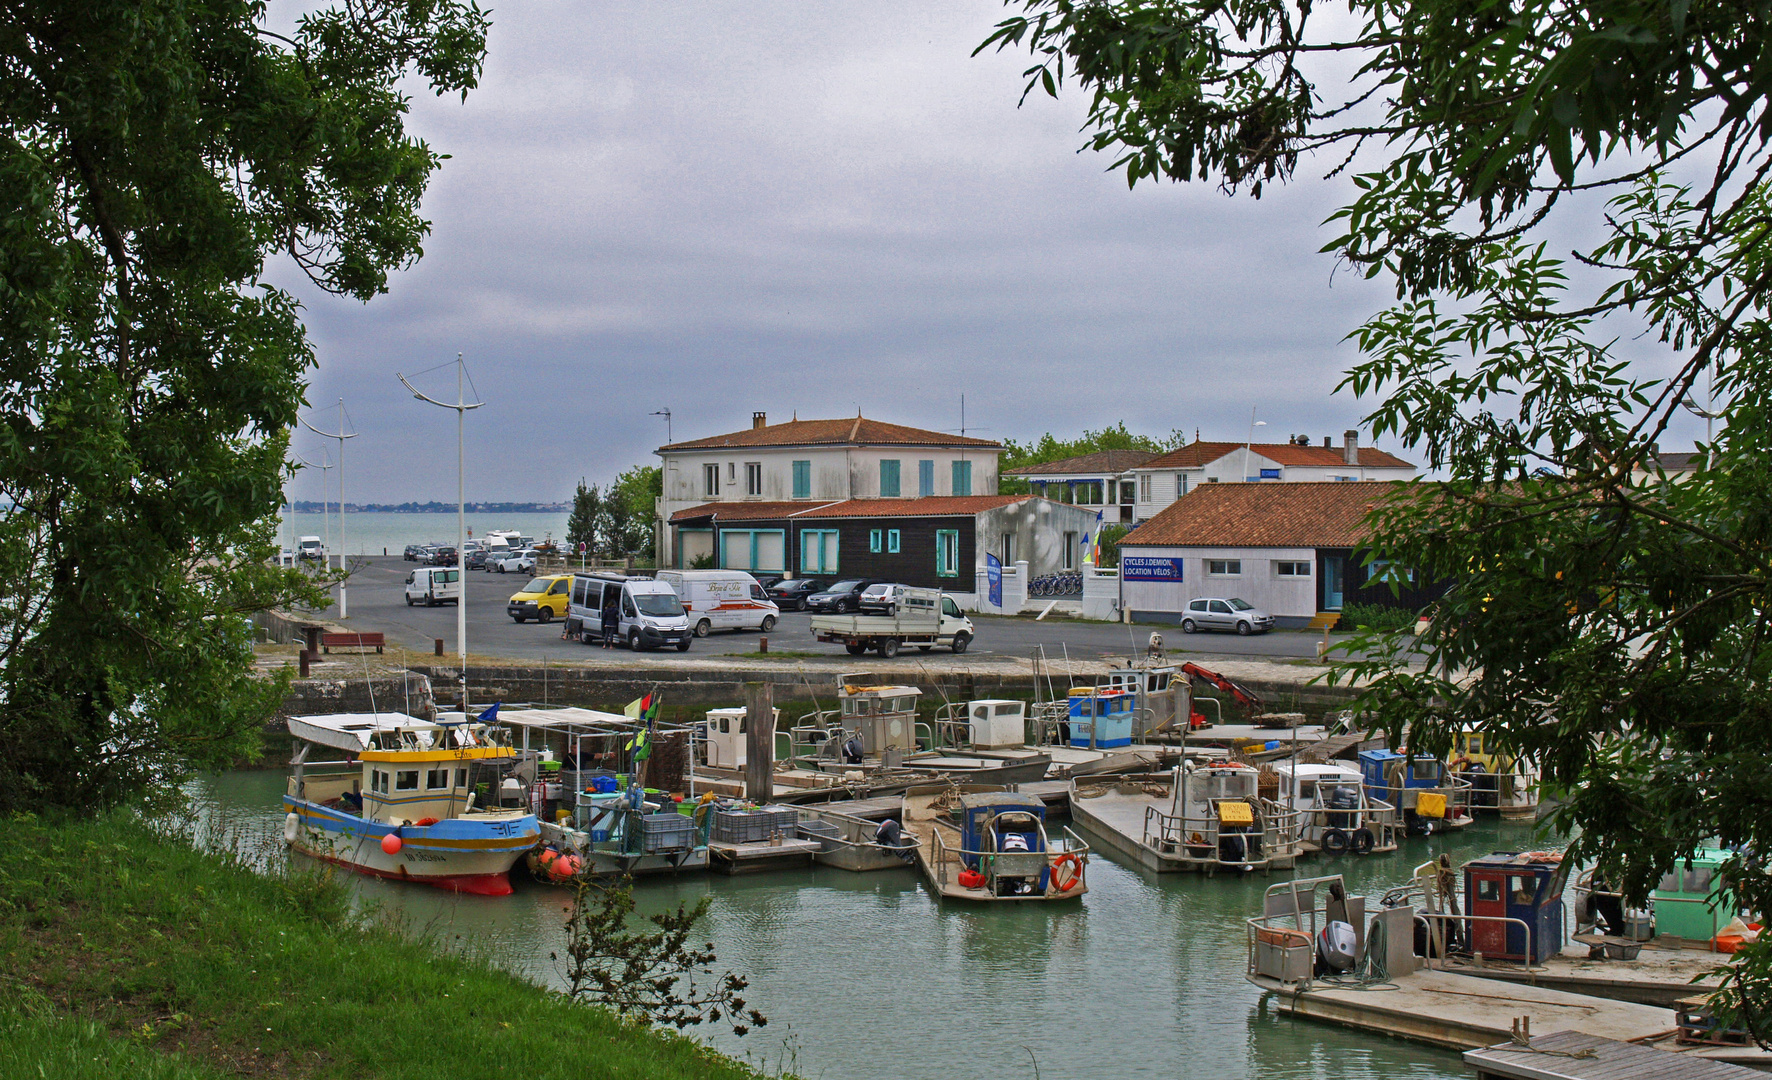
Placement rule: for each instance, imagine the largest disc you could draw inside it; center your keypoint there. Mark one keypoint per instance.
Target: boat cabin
(405, 770)
(1515, 900)
(1334, 811)
(1003, 836)
(884, 717)
(724, 733)
(1218, 814)
(1693, 901)
(1419, 785)
(1100, 717)
(1161, 696)
(987, 724)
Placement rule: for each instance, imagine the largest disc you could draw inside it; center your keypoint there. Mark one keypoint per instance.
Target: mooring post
(305, 659)
(759, 742)
(437, 643)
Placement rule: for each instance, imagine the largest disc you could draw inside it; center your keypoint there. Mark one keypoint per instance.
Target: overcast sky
(808, 208)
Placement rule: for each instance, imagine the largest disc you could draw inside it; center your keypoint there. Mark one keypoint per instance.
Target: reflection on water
(865, 976)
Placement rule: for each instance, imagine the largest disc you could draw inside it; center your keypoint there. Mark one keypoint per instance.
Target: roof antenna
(666, 413)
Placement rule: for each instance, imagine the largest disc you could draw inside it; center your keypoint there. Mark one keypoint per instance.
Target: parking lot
(377, 602)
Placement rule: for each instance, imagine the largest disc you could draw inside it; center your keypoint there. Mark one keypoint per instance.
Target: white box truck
(722, 600)
(925, 618)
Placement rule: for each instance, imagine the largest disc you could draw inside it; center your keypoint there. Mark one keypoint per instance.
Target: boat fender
(1335, 842)
(291, 828)
(1063, 882)
(1362, 841)
(426, 821)
(391, 843)
(853, 751)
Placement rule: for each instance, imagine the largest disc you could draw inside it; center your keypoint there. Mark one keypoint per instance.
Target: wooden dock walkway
(1056, 794)
(1570, 1055)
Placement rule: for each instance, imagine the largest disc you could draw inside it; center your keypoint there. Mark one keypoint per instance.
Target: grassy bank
(125, 953)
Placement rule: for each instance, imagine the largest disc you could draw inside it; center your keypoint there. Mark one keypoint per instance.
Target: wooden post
(759, 742)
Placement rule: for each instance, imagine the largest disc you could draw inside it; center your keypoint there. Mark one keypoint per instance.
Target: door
(1334, 581)
(1488, 898)
(1220, 616)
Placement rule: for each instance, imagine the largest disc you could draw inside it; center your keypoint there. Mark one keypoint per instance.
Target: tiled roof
(743, 511)
(1679, 462)
(1196, 454)
(1101, 463)
(1326, 515)
(929, 506)
(851, 431)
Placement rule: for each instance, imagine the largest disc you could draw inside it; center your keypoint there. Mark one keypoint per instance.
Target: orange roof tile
(851, 431)
(1197, 454)
(743, 511)
(1311, 515)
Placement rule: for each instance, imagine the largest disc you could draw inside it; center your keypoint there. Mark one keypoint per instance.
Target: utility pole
(343, 600)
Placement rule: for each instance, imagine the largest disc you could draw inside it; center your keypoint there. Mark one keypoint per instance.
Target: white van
(433, 585)
(649, 613)
(722, 600)
(310, 547)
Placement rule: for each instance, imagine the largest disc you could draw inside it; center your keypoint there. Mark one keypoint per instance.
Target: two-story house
(1101, 481)
(769, 472)
(1162, 480)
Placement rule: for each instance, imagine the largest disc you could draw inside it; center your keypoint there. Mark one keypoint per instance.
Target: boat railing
(1505, 789)
(1438, 937)
(947, 861)
(953, 726)
(1044, 721)
(1196, 836)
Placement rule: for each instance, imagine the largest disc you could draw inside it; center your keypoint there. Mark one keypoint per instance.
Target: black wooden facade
(1359, 588)
(864, 547)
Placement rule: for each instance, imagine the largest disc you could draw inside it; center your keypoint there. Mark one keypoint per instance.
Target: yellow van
(544, 599)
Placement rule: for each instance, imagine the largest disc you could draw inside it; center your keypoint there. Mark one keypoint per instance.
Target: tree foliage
(581, 525)
(630, 506)
(1570, 200)
(1051, 448)
(153, 156)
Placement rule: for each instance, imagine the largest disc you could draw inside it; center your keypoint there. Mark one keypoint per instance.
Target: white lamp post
(343, 601)
(461, 407)
(325, 508)
(1249, 443)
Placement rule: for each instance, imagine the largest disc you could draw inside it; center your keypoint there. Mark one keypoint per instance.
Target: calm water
(866, 977)
(368, 534)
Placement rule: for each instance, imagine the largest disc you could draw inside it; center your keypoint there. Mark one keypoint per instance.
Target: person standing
(611, 623)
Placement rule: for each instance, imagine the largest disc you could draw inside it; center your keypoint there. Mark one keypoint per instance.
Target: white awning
(352, 731)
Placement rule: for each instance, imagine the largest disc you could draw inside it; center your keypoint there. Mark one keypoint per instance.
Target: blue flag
(993, 574)
(490, 716)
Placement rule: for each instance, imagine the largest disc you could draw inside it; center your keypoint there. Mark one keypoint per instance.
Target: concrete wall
(1015, 591)
(1038, 527)
(1163, 601)
(1101, 593)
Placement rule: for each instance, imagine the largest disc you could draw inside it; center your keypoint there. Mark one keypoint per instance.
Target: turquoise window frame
(892, 541)
(822, 537)
(802, 479)
(962, 478)
(889, 472)
(720, 547)
(947, 553)
(926, 478)
(874, 540)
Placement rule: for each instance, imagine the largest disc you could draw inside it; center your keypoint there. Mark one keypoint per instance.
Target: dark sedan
(844, 596)
(443, 556)
(791, 594)
(415, 553)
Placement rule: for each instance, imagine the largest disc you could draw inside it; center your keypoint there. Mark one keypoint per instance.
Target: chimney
(1351, 440)
(759, 420)
(1328, 444)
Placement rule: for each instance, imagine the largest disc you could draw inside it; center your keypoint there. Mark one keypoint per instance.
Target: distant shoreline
(309, 507)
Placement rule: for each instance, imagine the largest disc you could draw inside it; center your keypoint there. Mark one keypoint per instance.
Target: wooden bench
(352, 641)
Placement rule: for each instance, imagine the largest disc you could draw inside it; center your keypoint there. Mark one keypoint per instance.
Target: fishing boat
(853, 843)
(432, 803)
(1335, 815)
(875, 726)
(989, 843)
(1430, 799)
(597, 821)
(1200, 818)
(1501, 782)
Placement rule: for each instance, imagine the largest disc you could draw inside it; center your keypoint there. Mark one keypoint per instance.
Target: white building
(1101, 481)
(1162, 480)
(812, 462)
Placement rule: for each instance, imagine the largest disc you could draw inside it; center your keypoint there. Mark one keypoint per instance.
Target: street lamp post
(325, 466)
(343, 600)
(461, 407)
(1249, 443)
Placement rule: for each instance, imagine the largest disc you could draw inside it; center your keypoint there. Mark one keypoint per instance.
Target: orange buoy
(391, 843)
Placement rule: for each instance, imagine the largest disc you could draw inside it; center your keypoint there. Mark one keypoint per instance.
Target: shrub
(1378, 617)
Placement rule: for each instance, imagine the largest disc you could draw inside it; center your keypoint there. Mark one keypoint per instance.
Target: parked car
(1226, 613)
(881, 598)
(791, 594)
(415, 553)
(521, 561)
(844, 596)
(476, 559)
(543, 599)
(443, 556)
(310, 548)
(768, 581)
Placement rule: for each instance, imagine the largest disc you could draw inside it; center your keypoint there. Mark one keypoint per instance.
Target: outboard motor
(853, 750)
(1336, 948)
(1343, 797)
(891, 834)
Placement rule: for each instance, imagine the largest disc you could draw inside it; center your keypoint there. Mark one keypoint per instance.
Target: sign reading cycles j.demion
(1149, 568)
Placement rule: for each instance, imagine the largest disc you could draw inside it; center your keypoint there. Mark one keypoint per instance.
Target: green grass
(124, 953)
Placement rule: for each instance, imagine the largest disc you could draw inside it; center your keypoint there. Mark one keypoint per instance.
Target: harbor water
(372, 533)
(868, 977)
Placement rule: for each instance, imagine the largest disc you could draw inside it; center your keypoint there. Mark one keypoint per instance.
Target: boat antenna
(461, 407)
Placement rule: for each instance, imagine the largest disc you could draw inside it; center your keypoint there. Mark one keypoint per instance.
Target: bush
(1376, 617)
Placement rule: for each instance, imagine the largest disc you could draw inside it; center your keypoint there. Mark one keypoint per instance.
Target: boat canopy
(571, 720)
(355, 731)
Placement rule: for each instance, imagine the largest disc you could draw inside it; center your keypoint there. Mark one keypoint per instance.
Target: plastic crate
(666, 832)
(753, 826)
(824, 832)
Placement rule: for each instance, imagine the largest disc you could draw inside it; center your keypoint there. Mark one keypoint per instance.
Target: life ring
(291, 828)
(1362, 841)
(1335, 842)
(1066, 884)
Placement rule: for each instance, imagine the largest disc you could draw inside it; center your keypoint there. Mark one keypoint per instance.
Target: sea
(372, 533)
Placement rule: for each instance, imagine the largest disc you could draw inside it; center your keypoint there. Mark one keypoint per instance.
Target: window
(1224, 567)
(818, 551)
(406, 780)
(1270, 474)
(892, 541)
(1180, 484)
(1383, 571)
(461, 778)
(1197, 605)
(1292, 569)
(1219, 607)
(802, 479)
(436, 779)
(952, 611)
(731, 471)
(1144, 487)
(947, 552)
(710, 478)
(378, 780)
(925, 478)
(889, 479)
(560, 587)
(753, 478)
(1070, 549)
(874, 540)
(1488, 890)
(1009, 549)
(962, 478)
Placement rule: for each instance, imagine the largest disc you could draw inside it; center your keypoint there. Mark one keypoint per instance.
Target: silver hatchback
(1228, 613)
